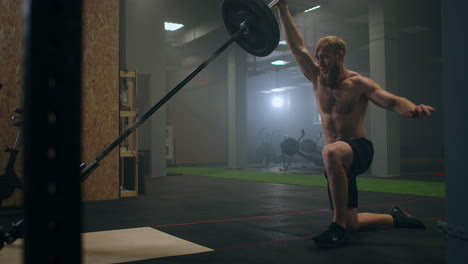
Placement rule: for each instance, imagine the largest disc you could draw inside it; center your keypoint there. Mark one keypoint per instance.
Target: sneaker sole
(331, 245)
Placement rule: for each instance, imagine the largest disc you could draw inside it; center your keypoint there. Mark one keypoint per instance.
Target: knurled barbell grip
(273, 3)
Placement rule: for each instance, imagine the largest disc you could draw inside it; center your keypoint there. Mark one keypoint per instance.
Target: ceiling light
(280, 62)
(172, 26)
(277, 90)
(283, 42)
(313, 8)
(277, 102)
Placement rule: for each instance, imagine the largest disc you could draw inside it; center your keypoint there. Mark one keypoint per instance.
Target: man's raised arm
(296, 43)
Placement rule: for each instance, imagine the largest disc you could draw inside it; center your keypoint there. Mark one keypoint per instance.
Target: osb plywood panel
(100, 115)
(11, 78)
(99, 88)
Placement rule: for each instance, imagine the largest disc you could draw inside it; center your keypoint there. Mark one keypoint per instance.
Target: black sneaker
(403, 219)
(335, 236)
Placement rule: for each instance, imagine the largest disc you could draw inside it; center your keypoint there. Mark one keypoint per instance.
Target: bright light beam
(311, 9)
(172, 26)
(280, 62)
(277, 102)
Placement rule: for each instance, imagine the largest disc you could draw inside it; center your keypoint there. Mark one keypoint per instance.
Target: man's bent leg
(362, 221)
(371, 220)
(337, 159)
(397, 218)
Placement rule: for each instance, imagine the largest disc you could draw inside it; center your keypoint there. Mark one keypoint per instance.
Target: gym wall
(420, 80)
(199, 115)
(100, 121)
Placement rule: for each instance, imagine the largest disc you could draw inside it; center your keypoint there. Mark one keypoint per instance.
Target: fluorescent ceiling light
(277, 90)
(172, 26)
(280, 62)
(277, 101)
(283, 42)
(313, 8)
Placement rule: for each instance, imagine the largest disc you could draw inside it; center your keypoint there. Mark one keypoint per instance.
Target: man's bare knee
(329, 154)
(337, 155)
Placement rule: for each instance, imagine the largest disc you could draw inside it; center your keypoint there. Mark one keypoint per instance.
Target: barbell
(251, 25)
(249, 22)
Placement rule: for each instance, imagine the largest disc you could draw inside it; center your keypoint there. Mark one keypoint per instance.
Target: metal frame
(52, 98)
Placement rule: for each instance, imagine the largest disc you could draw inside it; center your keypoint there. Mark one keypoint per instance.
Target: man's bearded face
(329, 67)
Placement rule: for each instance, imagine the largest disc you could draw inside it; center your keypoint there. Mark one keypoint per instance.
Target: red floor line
(240, 219)
(264, 243)
(268, 216)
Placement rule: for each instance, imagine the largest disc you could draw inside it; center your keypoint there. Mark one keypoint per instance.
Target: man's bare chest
(337, 101)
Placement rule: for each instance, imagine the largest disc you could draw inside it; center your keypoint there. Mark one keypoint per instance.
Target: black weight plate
(308, 146)
(289, 146)
(262, 35)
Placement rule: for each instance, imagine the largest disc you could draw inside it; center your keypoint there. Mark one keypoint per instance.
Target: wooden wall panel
(100, 115)
(11, 76)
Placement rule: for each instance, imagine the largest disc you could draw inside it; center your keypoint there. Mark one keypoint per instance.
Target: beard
(332, 78)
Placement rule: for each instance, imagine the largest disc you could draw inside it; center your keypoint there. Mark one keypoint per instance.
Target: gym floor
(257, 222)
(253, 222)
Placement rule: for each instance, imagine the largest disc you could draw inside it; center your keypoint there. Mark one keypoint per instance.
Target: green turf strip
(423, 188)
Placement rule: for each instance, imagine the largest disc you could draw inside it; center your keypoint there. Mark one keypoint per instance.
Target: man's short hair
(336, 44)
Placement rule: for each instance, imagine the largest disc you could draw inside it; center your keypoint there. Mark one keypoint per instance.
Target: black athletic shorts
(363, 154)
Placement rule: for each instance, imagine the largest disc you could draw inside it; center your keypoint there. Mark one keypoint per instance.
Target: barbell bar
(249, 22)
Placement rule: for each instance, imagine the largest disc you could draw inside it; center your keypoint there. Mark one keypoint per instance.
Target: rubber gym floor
(244, 221)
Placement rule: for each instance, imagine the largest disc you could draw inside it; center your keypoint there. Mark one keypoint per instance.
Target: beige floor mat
(117, 246)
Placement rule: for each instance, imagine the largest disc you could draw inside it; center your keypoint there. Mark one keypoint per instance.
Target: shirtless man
(342, 96)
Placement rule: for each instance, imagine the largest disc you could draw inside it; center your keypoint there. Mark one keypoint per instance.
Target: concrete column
(237, 108)
(384, 124)
(144, 35)
(454, 41)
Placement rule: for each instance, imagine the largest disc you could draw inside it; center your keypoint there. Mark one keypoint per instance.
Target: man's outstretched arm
(399, 104)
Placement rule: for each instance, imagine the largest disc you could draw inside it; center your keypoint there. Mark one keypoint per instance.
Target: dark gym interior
(184, 143)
